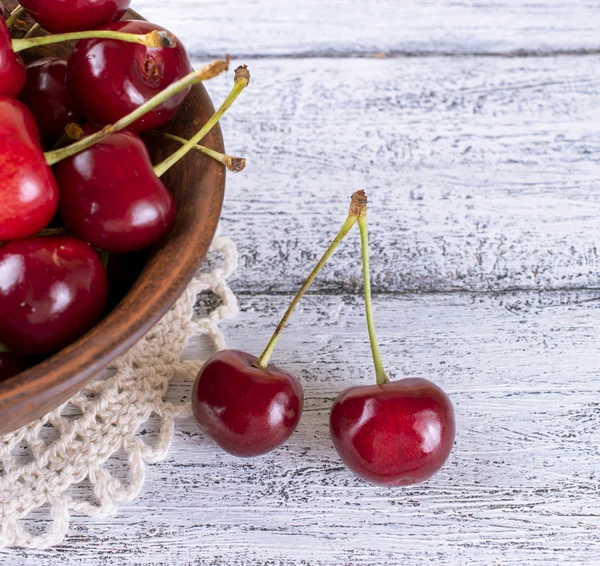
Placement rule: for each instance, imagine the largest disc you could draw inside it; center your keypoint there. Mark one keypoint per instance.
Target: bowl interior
(157, 277)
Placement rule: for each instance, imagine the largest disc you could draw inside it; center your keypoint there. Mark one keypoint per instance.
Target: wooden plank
(379, 27)
(521, 486)
(482, 173)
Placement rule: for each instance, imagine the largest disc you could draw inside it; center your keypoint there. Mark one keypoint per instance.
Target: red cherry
(111, 197)
(12, 68)
(28, 191)
(112, 78)
(247, 410)
(46, 94)
(62, 16)
(398, 433)
(11, 364)
(52, 290)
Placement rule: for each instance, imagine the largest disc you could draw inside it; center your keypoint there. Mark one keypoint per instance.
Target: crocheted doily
(105, 417)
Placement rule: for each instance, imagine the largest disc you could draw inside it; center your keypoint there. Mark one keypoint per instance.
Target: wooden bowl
(198, 184)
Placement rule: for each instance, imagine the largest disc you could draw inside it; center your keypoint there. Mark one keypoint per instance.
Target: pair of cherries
(392, 433)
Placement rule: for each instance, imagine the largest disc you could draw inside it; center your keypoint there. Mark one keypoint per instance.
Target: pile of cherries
(77, 185)
(393, 433)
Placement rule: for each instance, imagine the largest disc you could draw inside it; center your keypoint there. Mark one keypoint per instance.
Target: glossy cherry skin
(12, 68)
(53, 289)
(395, 434)
(28, 190)
(111, 198)
(46, 94)
(112, 78)
(63, 16)
(11, 364)
(246, 410)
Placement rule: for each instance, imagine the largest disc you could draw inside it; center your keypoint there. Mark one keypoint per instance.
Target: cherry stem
(14, 16)
(207, 72)
(32, 30)
(356, 210)
(382, 378)
(73, 132)
(235, 164)
(153, 39)
(3, 348)
(241, 81)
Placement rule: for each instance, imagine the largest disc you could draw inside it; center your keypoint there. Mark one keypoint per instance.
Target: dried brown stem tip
(242, 73)
(74, 131)
(158, 38)
(358, 204)
(213, 69)
(236, 164)
(20, 28)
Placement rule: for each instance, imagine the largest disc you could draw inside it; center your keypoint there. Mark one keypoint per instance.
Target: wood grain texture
(379, 27)
(521, 486)
(482, 173)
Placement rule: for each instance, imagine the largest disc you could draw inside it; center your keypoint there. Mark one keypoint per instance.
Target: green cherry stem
(32, 30)
(207, 72)
(241, 81)
(15, 15)
(235, 164)
(356, 210)
(382, 378)
(153, 39)
(3, 348)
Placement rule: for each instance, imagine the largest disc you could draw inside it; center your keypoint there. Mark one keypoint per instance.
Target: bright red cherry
(28, 191)
(112, 78)
(62, 16)
(399, 433)
(12, 68)
(111, 197)
(46, 94)
(246, 410)
(11, 364)
(395, 432)
(52, 290)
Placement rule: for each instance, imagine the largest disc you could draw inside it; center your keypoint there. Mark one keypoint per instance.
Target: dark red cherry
(62, 16)
(399, 433)
(110, 196)
(247, 410)
(52, 290)
(4, 11)
(28, 191)
(46, 94)
(11, 364)
(12, 68)
(112, 78)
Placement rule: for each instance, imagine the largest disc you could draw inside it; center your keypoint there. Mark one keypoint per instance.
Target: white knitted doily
(112, 409)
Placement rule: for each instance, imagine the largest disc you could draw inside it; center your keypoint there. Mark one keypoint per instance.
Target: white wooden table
(475, 128)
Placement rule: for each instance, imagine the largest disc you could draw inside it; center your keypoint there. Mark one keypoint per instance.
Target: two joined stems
(358, 213)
